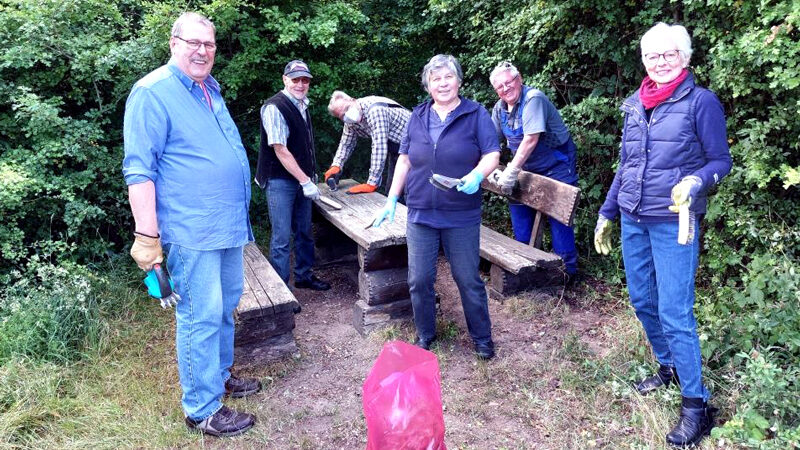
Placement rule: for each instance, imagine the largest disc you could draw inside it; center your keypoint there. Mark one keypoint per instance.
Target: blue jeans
(660, 277)
(210, 284)
(290, 216)
(461, 247)
(563, 237)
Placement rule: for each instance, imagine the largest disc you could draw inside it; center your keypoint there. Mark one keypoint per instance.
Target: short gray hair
(441, 62)
(504, 66)
(335, 98)
(189, 17)
(675, 33)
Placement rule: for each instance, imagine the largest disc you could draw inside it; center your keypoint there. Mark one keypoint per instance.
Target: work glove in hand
(146, 250)
(507, 180)
(387, 212)
(362, 189)
(685, 192)
(470, 182)
(602, 235)
(310, 190)
(331, 172)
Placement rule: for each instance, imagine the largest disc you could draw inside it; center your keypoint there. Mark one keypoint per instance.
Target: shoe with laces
(241, 387)
(225, 422)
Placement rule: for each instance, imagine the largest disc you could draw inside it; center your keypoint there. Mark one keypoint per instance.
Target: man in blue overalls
(541, 143)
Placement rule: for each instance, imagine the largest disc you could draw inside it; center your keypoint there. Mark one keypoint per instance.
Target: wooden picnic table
(381, 252)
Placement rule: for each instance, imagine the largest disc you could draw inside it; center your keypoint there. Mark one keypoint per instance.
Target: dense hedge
(66, 67)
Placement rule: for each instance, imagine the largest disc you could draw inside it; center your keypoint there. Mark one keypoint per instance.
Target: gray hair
(504, 66)
(335, 98)
(191, 17)
(441, 62)
(674, 33)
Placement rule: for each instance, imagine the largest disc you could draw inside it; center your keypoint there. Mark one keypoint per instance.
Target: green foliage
(51, 314)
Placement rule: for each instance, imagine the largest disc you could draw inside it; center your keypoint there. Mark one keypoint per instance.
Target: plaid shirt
(380, 123)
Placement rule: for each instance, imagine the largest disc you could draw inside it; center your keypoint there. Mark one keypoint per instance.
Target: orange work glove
(331, 172)
(362, 189)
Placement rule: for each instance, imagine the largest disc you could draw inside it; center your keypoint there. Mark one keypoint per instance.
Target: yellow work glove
(146, 250)
(685, 192)
(602, 235)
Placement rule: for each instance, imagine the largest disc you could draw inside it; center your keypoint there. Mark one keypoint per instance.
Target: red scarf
(652, 95)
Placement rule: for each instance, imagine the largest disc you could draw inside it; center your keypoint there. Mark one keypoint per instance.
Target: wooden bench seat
(265, 315)
(515, 266)
(381, 253)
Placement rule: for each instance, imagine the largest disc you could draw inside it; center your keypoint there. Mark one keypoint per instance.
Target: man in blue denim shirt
(188, 183)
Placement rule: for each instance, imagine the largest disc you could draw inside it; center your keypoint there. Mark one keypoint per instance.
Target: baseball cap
(296, 68)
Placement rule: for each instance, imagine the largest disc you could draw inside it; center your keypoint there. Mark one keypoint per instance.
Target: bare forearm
(524, 151)
(488, 163)
(142, 197)
(289, 163)
(401, 169)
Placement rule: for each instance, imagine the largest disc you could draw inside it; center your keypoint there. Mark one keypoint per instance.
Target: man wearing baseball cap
(286, 171)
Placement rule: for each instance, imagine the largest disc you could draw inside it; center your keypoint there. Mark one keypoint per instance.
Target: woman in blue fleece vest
(674, 148)
(452, 136)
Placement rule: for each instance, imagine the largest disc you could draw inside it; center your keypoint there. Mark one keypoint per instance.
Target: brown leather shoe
(225, 422)
(241, 387)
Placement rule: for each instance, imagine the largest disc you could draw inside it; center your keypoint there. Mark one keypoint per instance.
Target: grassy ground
(561, 380)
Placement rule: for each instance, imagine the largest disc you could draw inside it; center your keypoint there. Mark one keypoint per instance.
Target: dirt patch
(314, 400)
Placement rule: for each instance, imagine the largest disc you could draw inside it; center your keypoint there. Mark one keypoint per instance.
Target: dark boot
(664, 377)
(695, 423)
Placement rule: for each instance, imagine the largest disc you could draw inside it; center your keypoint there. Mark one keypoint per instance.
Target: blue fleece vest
(455, 154)
(659, 152)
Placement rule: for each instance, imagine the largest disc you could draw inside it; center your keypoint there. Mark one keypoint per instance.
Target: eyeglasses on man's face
(500, 87)
(195, 45)
(669, 56)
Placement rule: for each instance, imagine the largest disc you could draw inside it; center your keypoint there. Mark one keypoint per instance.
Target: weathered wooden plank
(512, 255)
(368, 318)
(383, 286)
(357, 212)
(267, 287)
(383, 258)
(503, 283)
(260, 328)
(536, 230)
(554, 198)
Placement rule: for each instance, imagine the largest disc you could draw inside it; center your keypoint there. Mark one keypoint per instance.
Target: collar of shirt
(188, 83)
(300, 104)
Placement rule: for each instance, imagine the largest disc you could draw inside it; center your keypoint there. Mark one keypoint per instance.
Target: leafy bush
(51, 314)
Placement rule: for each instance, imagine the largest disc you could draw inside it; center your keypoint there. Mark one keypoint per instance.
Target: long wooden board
(357, 212)
(264, 290)
(512, 255)
(553, 198)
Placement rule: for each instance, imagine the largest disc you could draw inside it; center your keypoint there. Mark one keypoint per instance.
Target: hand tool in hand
(160, 286)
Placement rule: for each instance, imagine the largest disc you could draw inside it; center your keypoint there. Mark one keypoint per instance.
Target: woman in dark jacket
(452, 136)
(674, 148)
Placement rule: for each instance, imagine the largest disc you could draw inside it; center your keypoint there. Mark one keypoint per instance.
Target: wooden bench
(381, 253)
(265, 315)
(515, 266)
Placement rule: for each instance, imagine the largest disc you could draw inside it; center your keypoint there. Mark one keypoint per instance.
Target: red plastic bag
(403, 401)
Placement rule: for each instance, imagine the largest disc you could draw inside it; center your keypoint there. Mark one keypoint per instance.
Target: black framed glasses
(195, 45)
(669, 56)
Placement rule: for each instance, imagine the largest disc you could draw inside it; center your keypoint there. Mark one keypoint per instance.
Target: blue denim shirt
(194, 156)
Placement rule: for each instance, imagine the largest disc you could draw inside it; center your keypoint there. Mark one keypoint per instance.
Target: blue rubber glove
(387, 212)
(470, 182)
